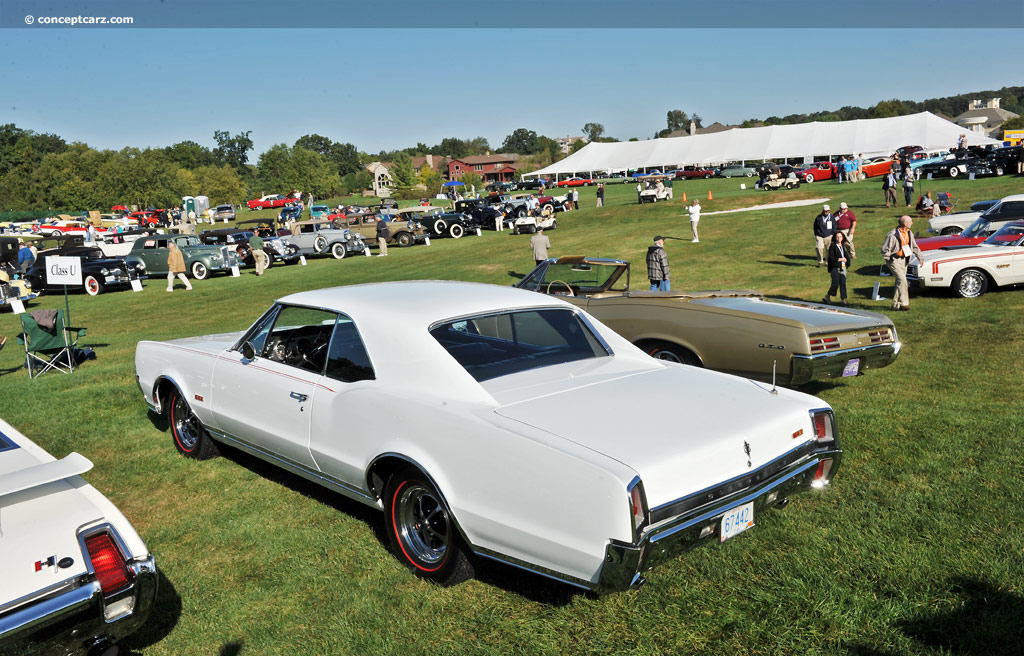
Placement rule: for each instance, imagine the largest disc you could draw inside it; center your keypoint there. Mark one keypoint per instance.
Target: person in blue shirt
(25, 257)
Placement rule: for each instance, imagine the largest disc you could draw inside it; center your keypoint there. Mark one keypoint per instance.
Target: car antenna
(775, 390)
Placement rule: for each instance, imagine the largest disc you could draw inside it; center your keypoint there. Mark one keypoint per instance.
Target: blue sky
(390, 88)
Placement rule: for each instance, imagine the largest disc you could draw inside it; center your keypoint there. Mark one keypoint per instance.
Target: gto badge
(772, 346)
(746, 450)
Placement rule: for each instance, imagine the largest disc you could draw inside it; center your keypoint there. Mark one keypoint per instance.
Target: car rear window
(504, 343)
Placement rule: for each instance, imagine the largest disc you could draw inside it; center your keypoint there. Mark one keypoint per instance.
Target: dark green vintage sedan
(200, 260)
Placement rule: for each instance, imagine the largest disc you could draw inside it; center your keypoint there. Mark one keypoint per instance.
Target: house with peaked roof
(985, 117)
(491, 168)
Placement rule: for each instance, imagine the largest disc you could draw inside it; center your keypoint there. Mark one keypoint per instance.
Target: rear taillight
(108, 563)
(878, 336)
(820, 344)
(823, 422)
(821, 473)
(636, 505)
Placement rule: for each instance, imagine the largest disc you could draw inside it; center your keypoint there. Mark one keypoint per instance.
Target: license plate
(737, 520)
(852, 367)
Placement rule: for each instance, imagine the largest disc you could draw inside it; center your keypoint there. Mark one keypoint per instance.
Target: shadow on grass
(528, 585)
(161, 622)
(794, 261)
(232, 648)
(516, 275)
(986, 621)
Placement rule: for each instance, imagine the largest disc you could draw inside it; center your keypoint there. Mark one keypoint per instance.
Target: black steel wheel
(421, 530)
(190, 438)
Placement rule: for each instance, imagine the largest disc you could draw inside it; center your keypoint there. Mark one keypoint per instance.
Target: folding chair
(46, 350)
(946, 202)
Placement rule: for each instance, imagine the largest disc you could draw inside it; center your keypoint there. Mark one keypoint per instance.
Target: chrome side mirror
(248, 352)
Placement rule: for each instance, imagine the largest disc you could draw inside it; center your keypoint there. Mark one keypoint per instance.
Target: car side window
(347, 359)
(299, 337)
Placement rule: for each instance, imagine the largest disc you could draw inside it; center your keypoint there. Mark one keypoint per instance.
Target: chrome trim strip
(534, 569)
(719, 510)
(824, 355)
(285, 463)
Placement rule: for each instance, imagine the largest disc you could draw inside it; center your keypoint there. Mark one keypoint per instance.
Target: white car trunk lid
(678, 443)
(55, 510)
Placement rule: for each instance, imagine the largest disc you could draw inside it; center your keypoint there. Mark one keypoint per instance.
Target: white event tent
(804, 141)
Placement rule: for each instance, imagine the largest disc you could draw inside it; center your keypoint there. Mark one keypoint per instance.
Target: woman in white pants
(694, 210)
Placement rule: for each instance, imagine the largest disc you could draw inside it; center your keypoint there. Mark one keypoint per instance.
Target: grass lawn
(916, 548)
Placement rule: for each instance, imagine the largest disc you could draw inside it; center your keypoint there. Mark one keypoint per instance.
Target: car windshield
(187, 241)
(581, 278)
(1009, 235)
(992, 211)
(504, 343)
(979, 228)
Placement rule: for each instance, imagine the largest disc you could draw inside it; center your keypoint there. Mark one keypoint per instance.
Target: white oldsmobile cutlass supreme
(494, 421)
(76, 577)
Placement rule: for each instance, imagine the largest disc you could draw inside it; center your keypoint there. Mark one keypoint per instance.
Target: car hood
(207, 343)
(41, 512)
(680, 428)
(932, 243)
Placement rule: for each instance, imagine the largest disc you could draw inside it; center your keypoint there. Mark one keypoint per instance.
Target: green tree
(594, 131)
(189, 154)
(521, 141)
(478, 146)
(221, 184)
(430, 179)
(577, 145)
(402, 171)
(233, 150)
(139, 177)
(677, 119)
(452, 147)
(282, 169)
(344, 156)
(1014, 124)
(888, 108)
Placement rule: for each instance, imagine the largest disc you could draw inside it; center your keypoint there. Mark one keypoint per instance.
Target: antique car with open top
(736, 331)
(490, 421)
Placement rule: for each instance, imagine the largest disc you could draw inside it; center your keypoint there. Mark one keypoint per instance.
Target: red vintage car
(270, 201)
(817, 171)
(695, 172)
(575, 182)
(146, 218)
(874, 167)
(976, 233)
(64, 227)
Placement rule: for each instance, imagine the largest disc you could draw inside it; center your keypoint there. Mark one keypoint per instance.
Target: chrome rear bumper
(625, 563)
(73, 622)
(831, 365)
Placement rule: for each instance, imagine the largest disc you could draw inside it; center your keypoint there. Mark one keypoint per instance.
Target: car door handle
(298, 397)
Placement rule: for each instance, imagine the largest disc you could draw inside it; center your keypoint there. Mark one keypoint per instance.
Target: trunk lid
(681, 429)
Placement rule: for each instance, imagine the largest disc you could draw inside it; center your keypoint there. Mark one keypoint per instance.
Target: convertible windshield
(580, 277)
(496, 345)
(1008, 235)
(979, 228)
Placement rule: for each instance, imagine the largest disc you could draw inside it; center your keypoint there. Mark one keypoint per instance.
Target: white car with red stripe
(494, 422)
(76, 577)
(971, 270)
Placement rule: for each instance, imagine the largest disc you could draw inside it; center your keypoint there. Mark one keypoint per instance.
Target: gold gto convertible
(736, 331)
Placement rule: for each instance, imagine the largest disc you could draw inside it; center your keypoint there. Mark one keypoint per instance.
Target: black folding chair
(47, 350)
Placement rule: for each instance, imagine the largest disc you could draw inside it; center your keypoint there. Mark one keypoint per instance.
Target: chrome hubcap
(423, 524)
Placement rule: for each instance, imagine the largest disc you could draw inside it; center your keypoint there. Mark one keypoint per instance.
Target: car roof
(416, 304)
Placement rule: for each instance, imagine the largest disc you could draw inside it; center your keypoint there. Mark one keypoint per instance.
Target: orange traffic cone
(684, 196)
(709, 194)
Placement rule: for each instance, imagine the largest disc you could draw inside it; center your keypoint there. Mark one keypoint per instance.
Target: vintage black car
(438, 222)
(238, 238)
(479, 213)
(531, 184)
(100, 272)
(973, 159)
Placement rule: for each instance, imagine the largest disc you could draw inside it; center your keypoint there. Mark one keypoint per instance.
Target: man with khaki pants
(897, 249)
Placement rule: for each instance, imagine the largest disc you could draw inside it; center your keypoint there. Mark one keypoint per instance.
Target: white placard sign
(426, 240)
(234, 271)
(302, 260)
(17, 306)
(63, 270)
(136, 285)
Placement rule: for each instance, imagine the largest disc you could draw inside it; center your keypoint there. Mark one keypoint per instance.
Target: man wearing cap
(657, 266)
(824, 228)
(846, 222)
